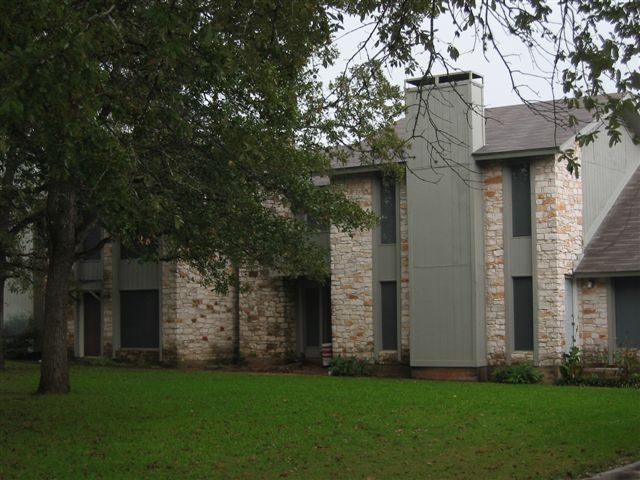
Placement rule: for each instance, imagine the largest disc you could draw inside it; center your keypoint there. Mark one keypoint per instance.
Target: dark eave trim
(584, 274)
(514, 154)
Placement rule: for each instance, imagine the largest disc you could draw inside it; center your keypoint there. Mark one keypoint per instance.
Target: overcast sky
(498, 89)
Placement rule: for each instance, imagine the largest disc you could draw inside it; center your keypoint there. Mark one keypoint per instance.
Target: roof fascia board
(513, 154)
(340, 171)
(628, 273)
(587, 129)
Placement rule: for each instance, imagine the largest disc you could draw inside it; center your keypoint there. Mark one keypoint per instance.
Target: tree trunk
(61, 226)
(2, 282)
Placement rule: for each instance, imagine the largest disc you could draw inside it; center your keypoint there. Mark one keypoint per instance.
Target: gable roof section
(529, 130)
(354, 158)
(615, 248)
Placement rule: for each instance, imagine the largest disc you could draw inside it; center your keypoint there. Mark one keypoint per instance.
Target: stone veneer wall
(405, 320)
(352, 279)
(267, 316)
(197, 322)
(593, 327)
(558, 220)
(558, 237)
(107, 300)
(495, 311)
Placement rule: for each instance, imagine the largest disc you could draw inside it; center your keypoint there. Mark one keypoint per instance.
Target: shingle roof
(525, 128)
(615, 248)
(354, 158)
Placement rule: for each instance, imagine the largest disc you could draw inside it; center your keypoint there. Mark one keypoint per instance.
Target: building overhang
(516, 154)
(609, 274)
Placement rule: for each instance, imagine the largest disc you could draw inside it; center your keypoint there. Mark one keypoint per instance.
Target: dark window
(388, 211)
(389, 315)
(627, 302)
(521, 200)
(327, 336)
(139, 319)
(92, 324)
(312, 315)
(90, 242)
(523, 313)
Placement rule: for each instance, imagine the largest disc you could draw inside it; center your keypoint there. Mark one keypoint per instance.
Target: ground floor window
(389, 315)
(92, 324)
(316, 316)
(627, 311)
(139, 319)
(523, 313)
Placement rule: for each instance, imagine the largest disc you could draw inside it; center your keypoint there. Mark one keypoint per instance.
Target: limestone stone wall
(168, 312)
(593, 331)
(267, 316)
(495, 310)
(197, 324)
(352, 279)
(558, 243)
(558, 220)
(107, 300)
(405, 321)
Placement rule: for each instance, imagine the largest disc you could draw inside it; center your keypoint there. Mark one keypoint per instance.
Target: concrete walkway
(628, 472)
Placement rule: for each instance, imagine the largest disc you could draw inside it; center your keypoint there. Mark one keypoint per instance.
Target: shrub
(22, 339)
(571, 366)
(517, 373)
(595, 380)
(348, 366)
(627, 362)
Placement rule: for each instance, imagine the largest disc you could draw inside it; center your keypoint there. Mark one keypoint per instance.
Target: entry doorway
(92, 323)
(315, 316)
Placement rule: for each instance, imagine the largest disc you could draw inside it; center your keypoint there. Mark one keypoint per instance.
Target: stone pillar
(495, 310)
(405, 319)
(107, 300)
(558, 219)
(593, 325)
(352, 279)
(169, 314)
(267, 316)
(199, 319)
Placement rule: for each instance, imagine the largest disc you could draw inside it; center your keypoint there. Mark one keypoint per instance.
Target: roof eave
(359, 169)
(516, 154)
(607, 274)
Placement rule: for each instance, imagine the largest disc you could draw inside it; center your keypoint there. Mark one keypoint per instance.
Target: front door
(315, 317)
(92, 324)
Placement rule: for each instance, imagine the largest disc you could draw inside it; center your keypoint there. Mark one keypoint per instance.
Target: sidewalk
(628, 472)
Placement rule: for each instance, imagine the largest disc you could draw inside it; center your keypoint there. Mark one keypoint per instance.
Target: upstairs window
(521, 199)
(387, 211)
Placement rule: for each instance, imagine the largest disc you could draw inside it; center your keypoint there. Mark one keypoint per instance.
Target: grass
(128, 423)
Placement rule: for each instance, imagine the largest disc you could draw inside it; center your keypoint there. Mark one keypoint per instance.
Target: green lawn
(130, 423)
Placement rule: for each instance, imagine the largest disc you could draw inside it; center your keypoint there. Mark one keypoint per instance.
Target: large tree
(21, 203)
(199, 121)
(195, 121)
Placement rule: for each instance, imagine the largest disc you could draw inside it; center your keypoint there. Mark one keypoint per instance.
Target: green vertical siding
(445, 229)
